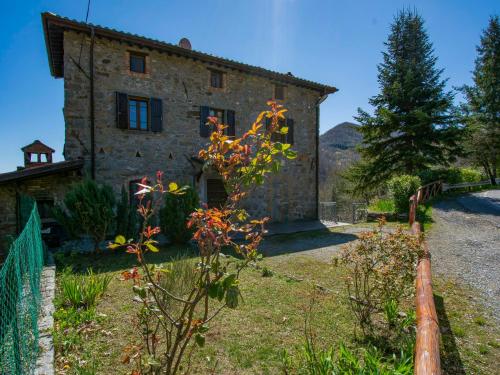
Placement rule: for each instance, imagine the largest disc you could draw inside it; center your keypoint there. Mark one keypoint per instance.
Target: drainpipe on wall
(92, 109)
(320, 100)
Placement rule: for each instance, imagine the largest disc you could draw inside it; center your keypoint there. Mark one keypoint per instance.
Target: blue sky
(333, 42)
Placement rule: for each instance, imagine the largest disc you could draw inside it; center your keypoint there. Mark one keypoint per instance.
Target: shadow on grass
(451, 362)
(117, 260)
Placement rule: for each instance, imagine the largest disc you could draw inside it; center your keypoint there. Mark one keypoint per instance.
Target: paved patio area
(301, 226)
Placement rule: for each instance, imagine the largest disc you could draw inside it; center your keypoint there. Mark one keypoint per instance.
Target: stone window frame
(147, 64)
(224, 80)
(285, 89)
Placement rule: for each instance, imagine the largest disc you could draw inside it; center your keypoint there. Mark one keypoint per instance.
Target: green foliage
(450, 175)
(382, 205)
(481, 112)
(82, 291)
(411, 109)
(370, 361)
(88, 210)
(71, 334)
(126, 216)
(391, 312)
(175, 213)
(266, 272)
(401, 189)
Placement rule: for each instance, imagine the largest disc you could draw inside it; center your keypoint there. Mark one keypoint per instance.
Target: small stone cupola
(37, 154)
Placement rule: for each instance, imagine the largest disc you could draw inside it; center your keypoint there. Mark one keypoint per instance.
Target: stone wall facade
(183, 85)
(46, 188)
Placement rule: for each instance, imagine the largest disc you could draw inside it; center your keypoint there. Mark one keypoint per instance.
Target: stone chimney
(37, 154)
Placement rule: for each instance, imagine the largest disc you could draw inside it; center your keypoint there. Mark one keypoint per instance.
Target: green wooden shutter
(231, 123)
(156, 114)
(204, 128)
(122, 110)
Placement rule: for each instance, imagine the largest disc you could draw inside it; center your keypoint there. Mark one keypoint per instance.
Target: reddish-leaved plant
(179, 300)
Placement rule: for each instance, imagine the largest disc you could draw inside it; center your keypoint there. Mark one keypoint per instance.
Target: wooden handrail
(427, 358)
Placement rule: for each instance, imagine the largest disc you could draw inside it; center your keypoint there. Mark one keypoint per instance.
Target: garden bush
(381, 270)
(401, 189)
(88, 209)
(175, 214)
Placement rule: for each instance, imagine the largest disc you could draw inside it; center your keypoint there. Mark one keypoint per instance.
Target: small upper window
(279, 92)
(138, 114)
(137, 63)
(216, 79)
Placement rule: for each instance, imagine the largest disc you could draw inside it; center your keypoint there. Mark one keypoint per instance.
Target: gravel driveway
(465, 243)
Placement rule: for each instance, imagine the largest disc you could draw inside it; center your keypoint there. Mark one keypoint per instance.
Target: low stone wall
(45, 362)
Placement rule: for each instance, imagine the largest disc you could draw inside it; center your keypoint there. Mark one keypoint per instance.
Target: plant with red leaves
(175, 312)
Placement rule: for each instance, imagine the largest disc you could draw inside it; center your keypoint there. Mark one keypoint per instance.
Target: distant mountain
(337, 148)
(344, 135)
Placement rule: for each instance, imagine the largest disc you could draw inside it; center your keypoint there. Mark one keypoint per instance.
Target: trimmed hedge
(450, 175)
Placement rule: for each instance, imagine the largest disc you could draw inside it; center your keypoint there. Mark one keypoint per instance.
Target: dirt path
(465, 243)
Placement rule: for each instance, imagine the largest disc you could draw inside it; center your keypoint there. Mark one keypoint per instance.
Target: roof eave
(47, 43)
(170, 48)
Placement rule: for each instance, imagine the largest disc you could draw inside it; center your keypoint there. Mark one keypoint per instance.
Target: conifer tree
(413, 126)
(482, 109)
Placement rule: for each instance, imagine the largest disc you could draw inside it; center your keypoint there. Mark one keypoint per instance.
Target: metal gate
(334, 212)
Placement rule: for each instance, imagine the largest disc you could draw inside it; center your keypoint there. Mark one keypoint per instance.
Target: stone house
(39, 180)
(135, 105)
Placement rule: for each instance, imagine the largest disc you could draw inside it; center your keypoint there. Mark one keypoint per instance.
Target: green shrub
(470, 175)
(175, 213)
(401, 189)
(88, 210)
(126, 216)
(82, 291)
(450, 175)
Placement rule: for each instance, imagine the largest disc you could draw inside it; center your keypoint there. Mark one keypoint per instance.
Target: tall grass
(382, 205)
(82, 291)
(179, 277)
(371, 361)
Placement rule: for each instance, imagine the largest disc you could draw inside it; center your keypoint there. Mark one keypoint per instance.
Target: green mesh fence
(20, 300)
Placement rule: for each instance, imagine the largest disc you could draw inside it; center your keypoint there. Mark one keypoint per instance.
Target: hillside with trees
(337, 152)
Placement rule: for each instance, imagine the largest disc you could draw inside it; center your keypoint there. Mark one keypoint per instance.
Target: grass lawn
(250, 339)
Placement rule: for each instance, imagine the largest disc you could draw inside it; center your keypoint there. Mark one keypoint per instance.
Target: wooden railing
(423, 194)
(427, 359)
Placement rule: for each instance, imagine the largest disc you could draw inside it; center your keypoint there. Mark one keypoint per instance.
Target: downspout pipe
(92, 104)
(318, 103)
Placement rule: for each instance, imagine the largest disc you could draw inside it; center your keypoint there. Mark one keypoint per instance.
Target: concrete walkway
(301, 226)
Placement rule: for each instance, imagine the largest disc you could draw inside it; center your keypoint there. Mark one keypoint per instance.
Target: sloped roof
(37, 147)
(42, 170)
(54, 27)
